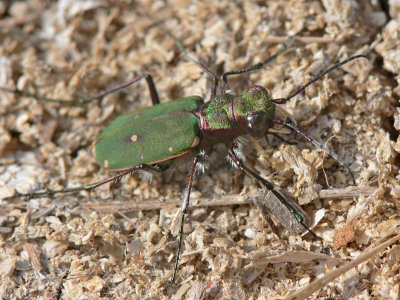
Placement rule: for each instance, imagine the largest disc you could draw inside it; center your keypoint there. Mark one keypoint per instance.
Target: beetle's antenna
(319, 76)
(318, 145)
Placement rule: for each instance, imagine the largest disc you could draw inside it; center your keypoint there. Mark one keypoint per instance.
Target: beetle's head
(256, 111)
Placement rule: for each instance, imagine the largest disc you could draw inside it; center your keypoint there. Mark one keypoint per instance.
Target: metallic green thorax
(150, 135)
(226, 117)
(217, 113)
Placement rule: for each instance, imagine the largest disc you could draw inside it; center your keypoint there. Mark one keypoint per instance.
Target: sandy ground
(120, 242)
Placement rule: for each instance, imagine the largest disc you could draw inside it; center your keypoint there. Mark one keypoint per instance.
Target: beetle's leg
(184, 208)
(316, 144)
(149, 79)
(225, 86)
(150, 83)
(238, 162)
(205, 69)
(160, 167)
(189, 55)
(319, 76)
(88, 187)
(152, 89)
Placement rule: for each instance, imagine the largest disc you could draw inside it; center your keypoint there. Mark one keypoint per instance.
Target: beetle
(189, 127)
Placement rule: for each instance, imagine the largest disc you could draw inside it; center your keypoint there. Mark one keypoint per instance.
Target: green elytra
(187, 126)
(150, 135)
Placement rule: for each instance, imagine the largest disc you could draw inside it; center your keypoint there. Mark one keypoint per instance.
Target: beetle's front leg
(239, 163)
(316, 144)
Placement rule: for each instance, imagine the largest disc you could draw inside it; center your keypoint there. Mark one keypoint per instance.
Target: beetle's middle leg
(150, 83)
(224, 77)
(184, 208)
(189, 55)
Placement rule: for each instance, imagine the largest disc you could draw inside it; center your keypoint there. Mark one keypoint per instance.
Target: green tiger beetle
(190, 127)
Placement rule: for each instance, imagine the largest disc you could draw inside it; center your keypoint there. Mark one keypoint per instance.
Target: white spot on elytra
(196, 141)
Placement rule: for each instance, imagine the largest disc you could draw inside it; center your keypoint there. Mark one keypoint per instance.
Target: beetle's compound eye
(256, 123)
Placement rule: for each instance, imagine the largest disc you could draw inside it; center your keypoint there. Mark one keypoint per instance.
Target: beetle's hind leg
(88, 187)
